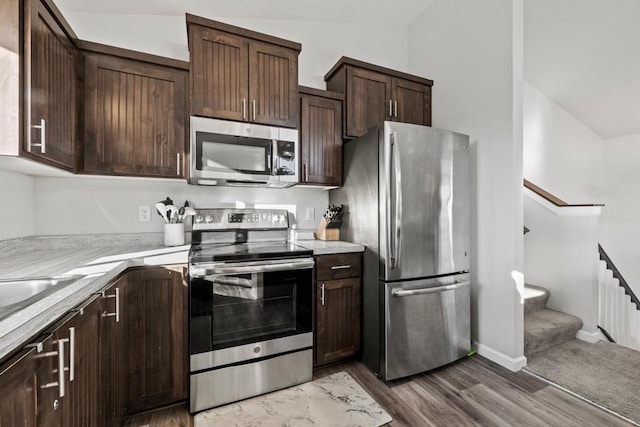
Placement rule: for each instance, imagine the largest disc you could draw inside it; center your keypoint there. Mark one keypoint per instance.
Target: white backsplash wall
(88, 205)
(16, 219)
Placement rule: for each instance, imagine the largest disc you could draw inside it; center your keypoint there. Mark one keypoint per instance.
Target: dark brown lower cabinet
(82, 400)
(338, 313)
(155, 338)
(111, 347)
(121, 352)
(18, 384)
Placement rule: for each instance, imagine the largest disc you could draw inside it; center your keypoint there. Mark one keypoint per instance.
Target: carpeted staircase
(545, 328)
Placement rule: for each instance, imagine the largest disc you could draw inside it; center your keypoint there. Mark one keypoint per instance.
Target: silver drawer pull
(322, 294)
(340, 267)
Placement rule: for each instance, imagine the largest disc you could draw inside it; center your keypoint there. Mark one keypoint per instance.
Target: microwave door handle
(274, 155)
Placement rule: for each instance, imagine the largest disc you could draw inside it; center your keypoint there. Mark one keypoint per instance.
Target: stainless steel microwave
(242, 154)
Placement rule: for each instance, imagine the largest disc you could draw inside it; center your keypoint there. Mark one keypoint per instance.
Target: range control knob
(208, 219)
(199, 219)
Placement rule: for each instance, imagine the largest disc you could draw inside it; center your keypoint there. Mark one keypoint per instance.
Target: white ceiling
(583, 54)
(400, 12)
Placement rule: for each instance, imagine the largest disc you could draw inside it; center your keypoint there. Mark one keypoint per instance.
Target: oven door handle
(203, 270)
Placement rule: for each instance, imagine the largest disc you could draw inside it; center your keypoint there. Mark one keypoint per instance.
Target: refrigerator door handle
(397, 202)
(398, 292)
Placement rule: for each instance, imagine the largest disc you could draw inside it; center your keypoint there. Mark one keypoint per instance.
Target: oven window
(225, 153)
(231, 310)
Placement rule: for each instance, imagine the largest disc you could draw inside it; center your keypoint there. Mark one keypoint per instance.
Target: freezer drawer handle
(405, 293)
(340, 267)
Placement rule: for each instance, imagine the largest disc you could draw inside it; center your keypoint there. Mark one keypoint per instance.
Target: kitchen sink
(16, 294)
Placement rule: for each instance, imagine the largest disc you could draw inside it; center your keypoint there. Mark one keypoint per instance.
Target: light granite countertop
(327, 247)
(99, 260)
(98, 266)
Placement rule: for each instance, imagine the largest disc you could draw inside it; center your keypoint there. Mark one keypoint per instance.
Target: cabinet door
(18, 385)
(367, 100)
(51, 86)
(412, 102)
(112, 350)
(219, 74)
(135, 117)
(53, 374)
(155, 338)
(83, 397)
(337, 320)
(320, 140)
(273, 84)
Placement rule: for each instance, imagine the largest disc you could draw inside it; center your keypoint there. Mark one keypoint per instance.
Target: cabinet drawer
(339, 266)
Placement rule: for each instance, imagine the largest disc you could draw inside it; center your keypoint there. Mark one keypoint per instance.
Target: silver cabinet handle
(390, 108)
(178, 164)
(322, 294)
(115, 295)
(254, 109)
(340, 267)
(61, 368)
(395, 108)
(72, 353)
(244, 109)
(43, 136)
(404, 293)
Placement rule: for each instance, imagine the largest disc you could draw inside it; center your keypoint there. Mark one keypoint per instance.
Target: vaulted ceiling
(582, 54)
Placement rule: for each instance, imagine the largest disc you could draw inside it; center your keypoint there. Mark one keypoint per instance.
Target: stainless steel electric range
(250, 306)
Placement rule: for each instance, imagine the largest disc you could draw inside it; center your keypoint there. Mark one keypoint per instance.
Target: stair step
(547, 328)
(535, 298)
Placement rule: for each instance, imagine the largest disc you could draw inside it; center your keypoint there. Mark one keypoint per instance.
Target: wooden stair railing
(553, 199)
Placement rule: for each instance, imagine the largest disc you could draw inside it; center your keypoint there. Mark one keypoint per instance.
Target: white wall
(322, 43)
(620, 224)
(562, 256)
(561, 154)
(110, 205)
(473, 52)
(16, 217)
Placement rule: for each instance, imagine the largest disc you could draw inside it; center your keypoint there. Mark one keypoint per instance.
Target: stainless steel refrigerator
(406, 196)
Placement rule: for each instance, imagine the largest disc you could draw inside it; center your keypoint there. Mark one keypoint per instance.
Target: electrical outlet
(311, 214)
(144, 213)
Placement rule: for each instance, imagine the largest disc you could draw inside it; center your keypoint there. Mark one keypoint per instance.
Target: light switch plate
(311, 214)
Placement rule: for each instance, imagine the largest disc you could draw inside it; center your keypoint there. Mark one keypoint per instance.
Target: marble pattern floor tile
(336, 400)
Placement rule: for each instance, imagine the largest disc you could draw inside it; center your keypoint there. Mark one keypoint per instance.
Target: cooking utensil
(162, 211)
(172, 214)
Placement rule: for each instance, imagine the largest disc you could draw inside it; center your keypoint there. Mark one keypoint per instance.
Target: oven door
(233, 304)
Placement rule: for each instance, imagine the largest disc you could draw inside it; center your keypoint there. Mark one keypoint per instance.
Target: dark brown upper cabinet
(135, 113)
(374, 94)
(242, 75)
(40, 96)
(320, 137)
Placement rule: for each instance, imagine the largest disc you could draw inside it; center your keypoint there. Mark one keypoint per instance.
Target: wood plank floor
(473, 391)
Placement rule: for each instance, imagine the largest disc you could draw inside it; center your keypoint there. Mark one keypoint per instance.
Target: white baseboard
(590, 337)
(513, 364)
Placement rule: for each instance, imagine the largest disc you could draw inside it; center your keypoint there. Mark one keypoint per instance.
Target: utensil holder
(174, 234)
